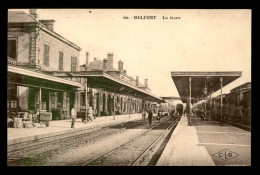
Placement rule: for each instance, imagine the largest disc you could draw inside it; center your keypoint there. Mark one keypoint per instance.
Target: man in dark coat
(150, 116)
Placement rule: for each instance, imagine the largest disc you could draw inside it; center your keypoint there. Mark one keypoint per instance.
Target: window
(46, 55)
(53, 101)
(60, 61)
(12, 50)
(73, 64)
(60, 98)
(11, 96)
(82, 99)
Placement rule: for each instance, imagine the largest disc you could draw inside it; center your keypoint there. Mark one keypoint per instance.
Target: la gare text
(151, 17)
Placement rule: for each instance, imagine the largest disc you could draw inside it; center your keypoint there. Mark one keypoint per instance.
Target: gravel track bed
(39, 153)
(127, 154)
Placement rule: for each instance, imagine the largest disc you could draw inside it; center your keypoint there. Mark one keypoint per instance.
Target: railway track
(29, 152)
(134, 151)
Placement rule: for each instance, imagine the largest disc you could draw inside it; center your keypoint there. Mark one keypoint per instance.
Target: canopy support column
(129, 105)
(210, 106)
(205, 107)
(190, 101)
(221, 99)
(114, 110)
(40, 102)
(86, 100)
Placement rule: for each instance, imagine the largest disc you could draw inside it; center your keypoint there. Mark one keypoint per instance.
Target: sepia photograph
(129, 87)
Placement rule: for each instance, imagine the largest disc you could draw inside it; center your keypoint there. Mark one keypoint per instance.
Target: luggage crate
(46, 117)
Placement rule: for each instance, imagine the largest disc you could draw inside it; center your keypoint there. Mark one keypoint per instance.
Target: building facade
(34, 48)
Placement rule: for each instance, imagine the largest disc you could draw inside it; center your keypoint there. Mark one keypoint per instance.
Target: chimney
(120, 66)
(33, 12)
(146, 82)
(48, 23)
(86, 65)
(137, 81)
(105, 65)
(110, 59)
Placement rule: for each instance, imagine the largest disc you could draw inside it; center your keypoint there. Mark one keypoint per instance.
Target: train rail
(148, 140)
(26, 152)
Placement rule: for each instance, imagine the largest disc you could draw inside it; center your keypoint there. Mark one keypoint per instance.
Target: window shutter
(61, 61)
(46, 55)
(73, 64)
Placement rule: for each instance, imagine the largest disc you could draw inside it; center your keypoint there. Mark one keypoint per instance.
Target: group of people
(91, 115)
(199, 113)
(150, 115)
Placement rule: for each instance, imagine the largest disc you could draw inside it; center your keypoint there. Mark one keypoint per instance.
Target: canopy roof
(200, 80)
(28, 77)
(102, 80)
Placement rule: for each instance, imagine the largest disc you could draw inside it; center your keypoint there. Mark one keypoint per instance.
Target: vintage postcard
(129, 87)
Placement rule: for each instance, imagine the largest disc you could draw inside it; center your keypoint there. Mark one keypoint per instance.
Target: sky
(198, 40)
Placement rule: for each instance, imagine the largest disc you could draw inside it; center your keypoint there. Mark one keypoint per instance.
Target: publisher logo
(225, 154)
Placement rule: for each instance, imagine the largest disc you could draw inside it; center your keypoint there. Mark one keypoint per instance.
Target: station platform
(57, 127)
(207, 143)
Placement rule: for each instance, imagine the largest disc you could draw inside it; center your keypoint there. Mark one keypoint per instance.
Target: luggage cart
(46, 117)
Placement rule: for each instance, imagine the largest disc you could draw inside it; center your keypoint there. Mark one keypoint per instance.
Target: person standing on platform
(37, 113)
(150, 116)
(159, 115)
(202, 115)
(95, 112)
(241, 116)
(73, 115)
(143, 116)
(90, 114)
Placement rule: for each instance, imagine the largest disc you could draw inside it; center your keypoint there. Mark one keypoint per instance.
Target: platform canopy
(104, 81)
(200, 81)
(35, 78)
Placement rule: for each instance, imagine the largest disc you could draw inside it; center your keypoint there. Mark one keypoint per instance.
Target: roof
(98, 65)
(171, 98)
(245, 85)
(198, 82)
(20, 16)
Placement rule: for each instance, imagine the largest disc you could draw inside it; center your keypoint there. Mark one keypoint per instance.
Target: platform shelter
(195, 86)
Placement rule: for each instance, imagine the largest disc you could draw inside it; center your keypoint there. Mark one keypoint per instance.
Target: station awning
(33, 78)
(102, 80)
(200, 80)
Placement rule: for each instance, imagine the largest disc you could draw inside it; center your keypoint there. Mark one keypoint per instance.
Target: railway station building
(34, 48)
(44, 71)
(109, 91)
